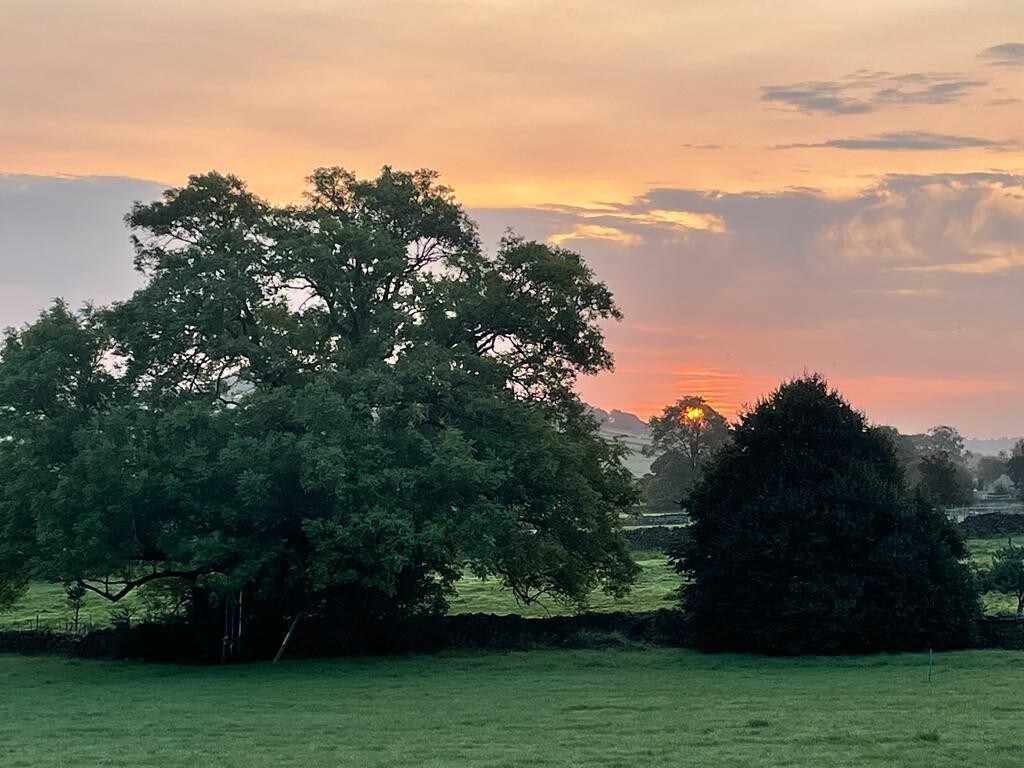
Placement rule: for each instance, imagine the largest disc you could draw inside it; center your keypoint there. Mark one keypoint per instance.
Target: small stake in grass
(931, 664)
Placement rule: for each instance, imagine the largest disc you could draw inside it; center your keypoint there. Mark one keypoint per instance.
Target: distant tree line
(687, 433)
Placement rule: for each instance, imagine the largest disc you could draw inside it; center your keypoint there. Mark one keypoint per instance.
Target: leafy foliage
(335, 406)
(805, 539)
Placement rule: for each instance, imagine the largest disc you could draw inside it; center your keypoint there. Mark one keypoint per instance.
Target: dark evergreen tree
(805, 539)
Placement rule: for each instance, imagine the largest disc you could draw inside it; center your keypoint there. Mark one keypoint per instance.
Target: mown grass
(655, 588)
(541, 708)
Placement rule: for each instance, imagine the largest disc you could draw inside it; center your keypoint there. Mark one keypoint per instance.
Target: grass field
(47, 604)
(654, 589)
(541, 708)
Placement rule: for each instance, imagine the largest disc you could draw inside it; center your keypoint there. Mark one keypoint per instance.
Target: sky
(767, 188)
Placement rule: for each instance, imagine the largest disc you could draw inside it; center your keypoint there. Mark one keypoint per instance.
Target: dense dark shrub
(805, 539)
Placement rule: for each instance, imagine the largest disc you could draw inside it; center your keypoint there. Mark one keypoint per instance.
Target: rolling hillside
(631, 431)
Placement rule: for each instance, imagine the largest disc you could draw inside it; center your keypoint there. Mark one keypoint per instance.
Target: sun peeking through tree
(683, 439)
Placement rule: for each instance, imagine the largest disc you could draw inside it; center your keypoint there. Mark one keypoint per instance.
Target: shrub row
(183, 643)
(186, 643)
(657, 538)
(991, 524)
(1006, 633)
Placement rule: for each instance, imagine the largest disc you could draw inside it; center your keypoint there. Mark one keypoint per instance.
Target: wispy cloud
(631, 227)
(903, 225)
(953, 223)
(595, 232)
(977, 264)
(868, 91)
(903, 141)
(1004, 55)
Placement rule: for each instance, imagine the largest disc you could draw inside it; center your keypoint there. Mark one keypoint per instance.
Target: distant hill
(621, 422)
(630, 430)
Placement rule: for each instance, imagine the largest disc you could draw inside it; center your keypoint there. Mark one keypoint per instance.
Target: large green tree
(338, 406)
(806, 540)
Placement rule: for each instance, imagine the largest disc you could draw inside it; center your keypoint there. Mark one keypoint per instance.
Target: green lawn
(47, 604)
(655, 708)
(654, 589)
(982, 549)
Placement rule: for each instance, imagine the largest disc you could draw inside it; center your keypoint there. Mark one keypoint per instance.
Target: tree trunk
(231, 643)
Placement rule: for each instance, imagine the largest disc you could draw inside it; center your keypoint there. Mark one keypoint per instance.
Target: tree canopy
(806, 540)
(337, 405)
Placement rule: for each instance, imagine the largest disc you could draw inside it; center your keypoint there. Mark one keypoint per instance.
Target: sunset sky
(767, 187)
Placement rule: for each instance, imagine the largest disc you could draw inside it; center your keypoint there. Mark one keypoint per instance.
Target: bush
(805, 539)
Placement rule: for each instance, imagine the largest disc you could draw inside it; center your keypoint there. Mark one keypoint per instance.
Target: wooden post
(287, 637)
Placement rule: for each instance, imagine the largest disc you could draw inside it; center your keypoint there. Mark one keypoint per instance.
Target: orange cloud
(596, 232)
